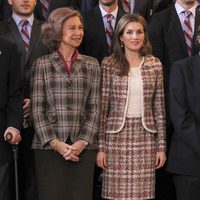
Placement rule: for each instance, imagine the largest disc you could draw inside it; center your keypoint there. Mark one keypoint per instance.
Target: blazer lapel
(58, 64)
(60, 67)
(35, 34)
(76, 66)
(176, 26)
(120, 13)
(13, 29)
(100, 27)
(197, 23)
(38, 11)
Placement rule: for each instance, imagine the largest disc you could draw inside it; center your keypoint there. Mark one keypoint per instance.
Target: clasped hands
(70, 152)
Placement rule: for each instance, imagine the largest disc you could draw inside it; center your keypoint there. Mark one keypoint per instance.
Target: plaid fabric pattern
(65, 105)
(130, 171)
(114, 100)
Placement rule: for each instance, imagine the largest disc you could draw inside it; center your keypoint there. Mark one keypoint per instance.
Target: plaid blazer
(65, 105)
(114, 100)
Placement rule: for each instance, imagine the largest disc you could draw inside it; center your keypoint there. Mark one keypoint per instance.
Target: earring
(122, 45)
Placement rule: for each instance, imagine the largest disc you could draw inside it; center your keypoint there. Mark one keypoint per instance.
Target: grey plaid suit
(65, 105)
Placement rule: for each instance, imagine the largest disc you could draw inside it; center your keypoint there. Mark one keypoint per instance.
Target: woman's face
(133, 37)
(72, 32)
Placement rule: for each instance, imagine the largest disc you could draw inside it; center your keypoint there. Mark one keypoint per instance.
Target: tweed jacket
(65, 105)
(114, 100)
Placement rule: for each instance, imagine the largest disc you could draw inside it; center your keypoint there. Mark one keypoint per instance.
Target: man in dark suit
(10, 110)
(12, 28)
(184, 154)
(39, 13)
(167, 37)
(94, 41)
(6, 9)
(159, 5)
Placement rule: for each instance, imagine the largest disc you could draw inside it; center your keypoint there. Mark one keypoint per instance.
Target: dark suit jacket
(159, 5)
(168, 42)
(94, 41)
(184, 155)
(11, 93)
(167, 37)
(142, 7)
(84, 5)
(6, 9)
(10, 30)
(53, 5)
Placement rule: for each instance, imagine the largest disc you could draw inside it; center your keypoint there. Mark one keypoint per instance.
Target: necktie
(187, 30)
(24, 33)
(126, 6)
(109, 30)
(45, 7)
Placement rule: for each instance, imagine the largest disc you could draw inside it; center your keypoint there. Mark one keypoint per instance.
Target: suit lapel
(38, 11)
(100, 27)
(35, 34)
(76, 66)
(13, 29)
(197, 23)
(176, 26)
(58, 65)
(120, 13)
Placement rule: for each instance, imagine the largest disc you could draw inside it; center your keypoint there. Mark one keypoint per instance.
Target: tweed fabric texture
(114, 100)
(130, 172)
(65, 105)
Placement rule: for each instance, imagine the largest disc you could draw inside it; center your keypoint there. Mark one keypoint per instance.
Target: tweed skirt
(130, 172)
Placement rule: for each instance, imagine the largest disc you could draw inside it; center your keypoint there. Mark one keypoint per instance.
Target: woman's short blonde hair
(51, 30)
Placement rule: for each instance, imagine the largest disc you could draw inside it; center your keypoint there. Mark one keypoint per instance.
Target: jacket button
(69, 108)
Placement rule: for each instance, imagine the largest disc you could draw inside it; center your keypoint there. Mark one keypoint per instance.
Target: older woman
(132, 124)
(65, 111)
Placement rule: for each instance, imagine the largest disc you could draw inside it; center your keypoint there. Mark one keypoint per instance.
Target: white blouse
(135, 101)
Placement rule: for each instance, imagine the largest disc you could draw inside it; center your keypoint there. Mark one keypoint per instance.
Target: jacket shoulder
(163, 15)
(151, 60)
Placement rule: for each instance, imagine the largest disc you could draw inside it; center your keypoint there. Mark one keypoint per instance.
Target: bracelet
(54, 143)
(85, 143)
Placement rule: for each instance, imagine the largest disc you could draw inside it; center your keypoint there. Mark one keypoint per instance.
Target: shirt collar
(180, 9)
(18, 19)
(104, 13)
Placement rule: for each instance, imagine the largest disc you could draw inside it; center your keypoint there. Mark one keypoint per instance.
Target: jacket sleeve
(42, 124)
(105, 98)
(159, 109)
(90, 127)
(156, 37)
(14, 110)
(186, 126)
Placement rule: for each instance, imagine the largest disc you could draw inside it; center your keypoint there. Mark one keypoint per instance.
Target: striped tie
(24, 33)
(109, 30)
(187, 30)
(126, 6)
(45, 7)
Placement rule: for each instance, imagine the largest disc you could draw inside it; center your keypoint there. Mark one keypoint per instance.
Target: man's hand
(15, 136)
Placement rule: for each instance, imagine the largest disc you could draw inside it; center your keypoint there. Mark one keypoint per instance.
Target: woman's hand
(101, 160)
(160, 159)
(67, 151)
(79, 147)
